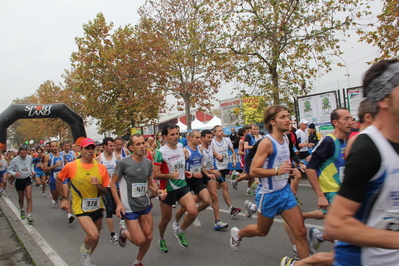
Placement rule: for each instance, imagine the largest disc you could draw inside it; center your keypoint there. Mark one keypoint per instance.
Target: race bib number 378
(91, 204)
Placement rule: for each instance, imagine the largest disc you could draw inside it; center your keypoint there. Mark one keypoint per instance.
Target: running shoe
(234, 211)
(122, 238)
(138, 264)
(248, 211)
(114, 239)
(55, 204)
(220, 225)
(314, 242)
(175, 226)
(71, 218)
(249, 193)
(1, 192)
(197, 222)
(297, 201)
(122, 222)
(22, 214)
(30, 219)
(254, 185)
(182, 238)
(235, 185)
(86, 256)
(162, 246)
(234, 243)
(296, 256)
(4, 194)
(287, 261)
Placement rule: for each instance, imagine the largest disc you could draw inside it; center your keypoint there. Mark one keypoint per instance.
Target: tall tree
(193, 72)
(112, 74)
(281, 45)
(386, 34)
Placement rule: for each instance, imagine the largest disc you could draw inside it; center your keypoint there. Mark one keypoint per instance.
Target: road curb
(34, 250)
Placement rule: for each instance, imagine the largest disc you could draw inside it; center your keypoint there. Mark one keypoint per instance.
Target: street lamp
(347, 72)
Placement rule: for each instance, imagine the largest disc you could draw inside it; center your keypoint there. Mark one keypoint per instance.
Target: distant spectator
(313, 135)
(233, 135)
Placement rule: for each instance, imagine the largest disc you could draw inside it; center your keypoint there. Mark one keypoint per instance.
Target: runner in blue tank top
(193, 155)
(271, 164)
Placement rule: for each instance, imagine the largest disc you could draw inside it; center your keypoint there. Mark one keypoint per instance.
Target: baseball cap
(303, 121)
(311, 125)
(86, 142)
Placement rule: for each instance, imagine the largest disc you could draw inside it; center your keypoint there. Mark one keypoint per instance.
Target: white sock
(137, 261)
(180, 231)
(248, 189)
(230, 208)
(294, 248)
(320, 237)
(253, 207)
(236, 236)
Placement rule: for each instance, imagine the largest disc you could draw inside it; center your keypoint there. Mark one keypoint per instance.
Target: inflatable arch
(28, 111)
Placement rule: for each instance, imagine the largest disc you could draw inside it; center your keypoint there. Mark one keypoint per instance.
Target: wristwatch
(61, 197)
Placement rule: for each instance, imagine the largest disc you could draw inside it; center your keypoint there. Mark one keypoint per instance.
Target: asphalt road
(206, 246)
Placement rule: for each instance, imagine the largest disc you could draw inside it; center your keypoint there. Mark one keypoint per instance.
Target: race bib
(178, 165)
(225, 156)
(195, 169)
(281, 177)
(24, 170)
(341, 173)
(139, 189)
(208, 164)
(390, 222)
(91, 204)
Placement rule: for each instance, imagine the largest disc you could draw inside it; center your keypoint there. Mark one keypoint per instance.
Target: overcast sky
(38, 37)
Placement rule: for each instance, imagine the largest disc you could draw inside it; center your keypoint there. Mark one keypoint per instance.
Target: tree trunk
(187, 109)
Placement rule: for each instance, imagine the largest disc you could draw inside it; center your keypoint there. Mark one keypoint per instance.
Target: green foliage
(386, 34)
(279, 46)
(193, 74)
(114, 73)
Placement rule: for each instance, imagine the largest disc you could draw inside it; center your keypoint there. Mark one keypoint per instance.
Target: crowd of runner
(355, 171)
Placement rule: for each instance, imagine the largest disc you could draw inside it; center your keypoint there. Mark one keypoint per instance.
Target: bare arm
(158, 175)
(119, 207)
(246, 145)
(314, 181)
(241, 147)
(264, 150)
(47, 168)
(234, 156)
(340, 224)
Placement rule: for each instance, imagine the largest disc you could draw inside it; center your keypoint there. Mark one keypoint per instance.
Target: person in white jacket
(21, 168)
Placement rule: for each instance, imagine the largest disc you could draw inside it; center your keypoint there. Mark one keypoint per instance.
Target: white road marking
(51, 254)
(278, 220)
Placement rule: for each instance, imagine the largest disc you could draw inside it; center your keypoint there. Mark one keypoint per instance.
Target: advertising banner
(253, 112)
(317, 108)
(354, 96)
(230, 112)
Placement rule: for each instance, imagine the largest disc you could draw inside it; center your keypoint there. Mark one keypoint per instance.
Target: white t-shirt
(302, 138)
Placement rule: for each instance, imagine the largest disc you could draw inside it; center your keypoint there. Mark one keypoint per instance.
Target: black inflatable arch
(28, 111)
